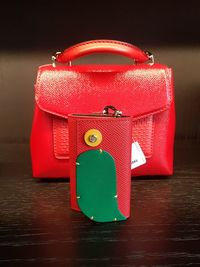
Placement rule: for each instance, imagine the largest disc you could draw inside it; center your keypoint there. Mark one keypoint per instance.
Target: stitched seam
(150, 114)
(68, 50)
(152, 137)
(167, 82)
(104, 120)
(75, 159)
(100, 41)
(76, 130)
(54, 137)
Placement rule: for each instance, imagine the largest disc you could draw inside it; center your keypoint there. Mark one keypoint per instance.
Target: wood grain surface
(38, 228)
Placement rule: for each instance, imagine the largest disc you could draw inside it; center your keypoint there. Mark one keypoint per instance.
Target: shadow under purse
(100, 164)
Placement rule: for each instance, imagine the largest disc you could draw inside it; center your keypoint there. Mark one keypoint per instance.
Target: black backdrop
(45, 24)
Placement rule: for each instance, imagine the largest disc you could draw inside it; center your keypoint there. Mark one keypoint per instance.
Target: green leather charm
(96, 183)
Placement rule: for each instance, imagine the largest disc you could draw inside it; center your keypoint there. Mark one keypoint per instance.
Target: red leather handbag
(143, 90)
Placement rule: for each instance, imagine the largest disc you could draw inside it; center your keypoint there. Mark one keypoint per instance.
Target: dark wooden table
(38, 228)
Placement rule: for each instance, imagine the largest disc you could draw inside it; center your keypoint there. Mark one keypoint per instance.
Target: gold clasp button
(93, 137)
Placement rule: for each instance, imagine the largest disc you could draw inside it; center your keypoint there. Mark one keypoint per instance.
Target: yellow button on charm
(93, 137)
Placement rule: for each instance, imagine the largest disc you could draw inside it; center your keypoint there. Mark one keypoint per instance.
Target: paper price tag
(137, 156)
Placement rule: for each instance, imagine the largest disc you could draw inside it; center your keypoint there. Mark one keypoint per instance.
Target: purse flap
(137, 90)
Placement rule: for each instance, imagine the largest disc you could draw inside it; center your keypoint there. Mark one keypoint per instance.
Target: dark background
(54, 24)
(37, 225)
(32, 31)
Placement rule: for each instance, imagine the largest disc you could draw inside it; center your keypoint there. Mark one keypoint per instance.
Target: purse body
(143, 91)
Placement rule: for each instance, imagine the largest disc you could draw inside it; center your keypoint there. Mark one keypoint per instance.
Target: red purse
(143, 90)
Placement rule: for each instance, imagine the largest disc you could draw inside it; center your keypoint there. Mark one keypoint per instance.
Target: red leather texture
(142, 131)
(139, 89)
(142, 91)
(103, 46)
(44, 161)
(60, 138)
(116, 140)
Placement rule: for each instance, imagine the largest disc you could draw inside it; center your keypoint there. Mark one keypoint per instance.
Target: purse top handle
(102, 46)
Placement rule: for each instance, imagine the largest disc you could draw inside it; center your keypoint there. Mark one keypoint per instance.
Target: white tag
(137, 156)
